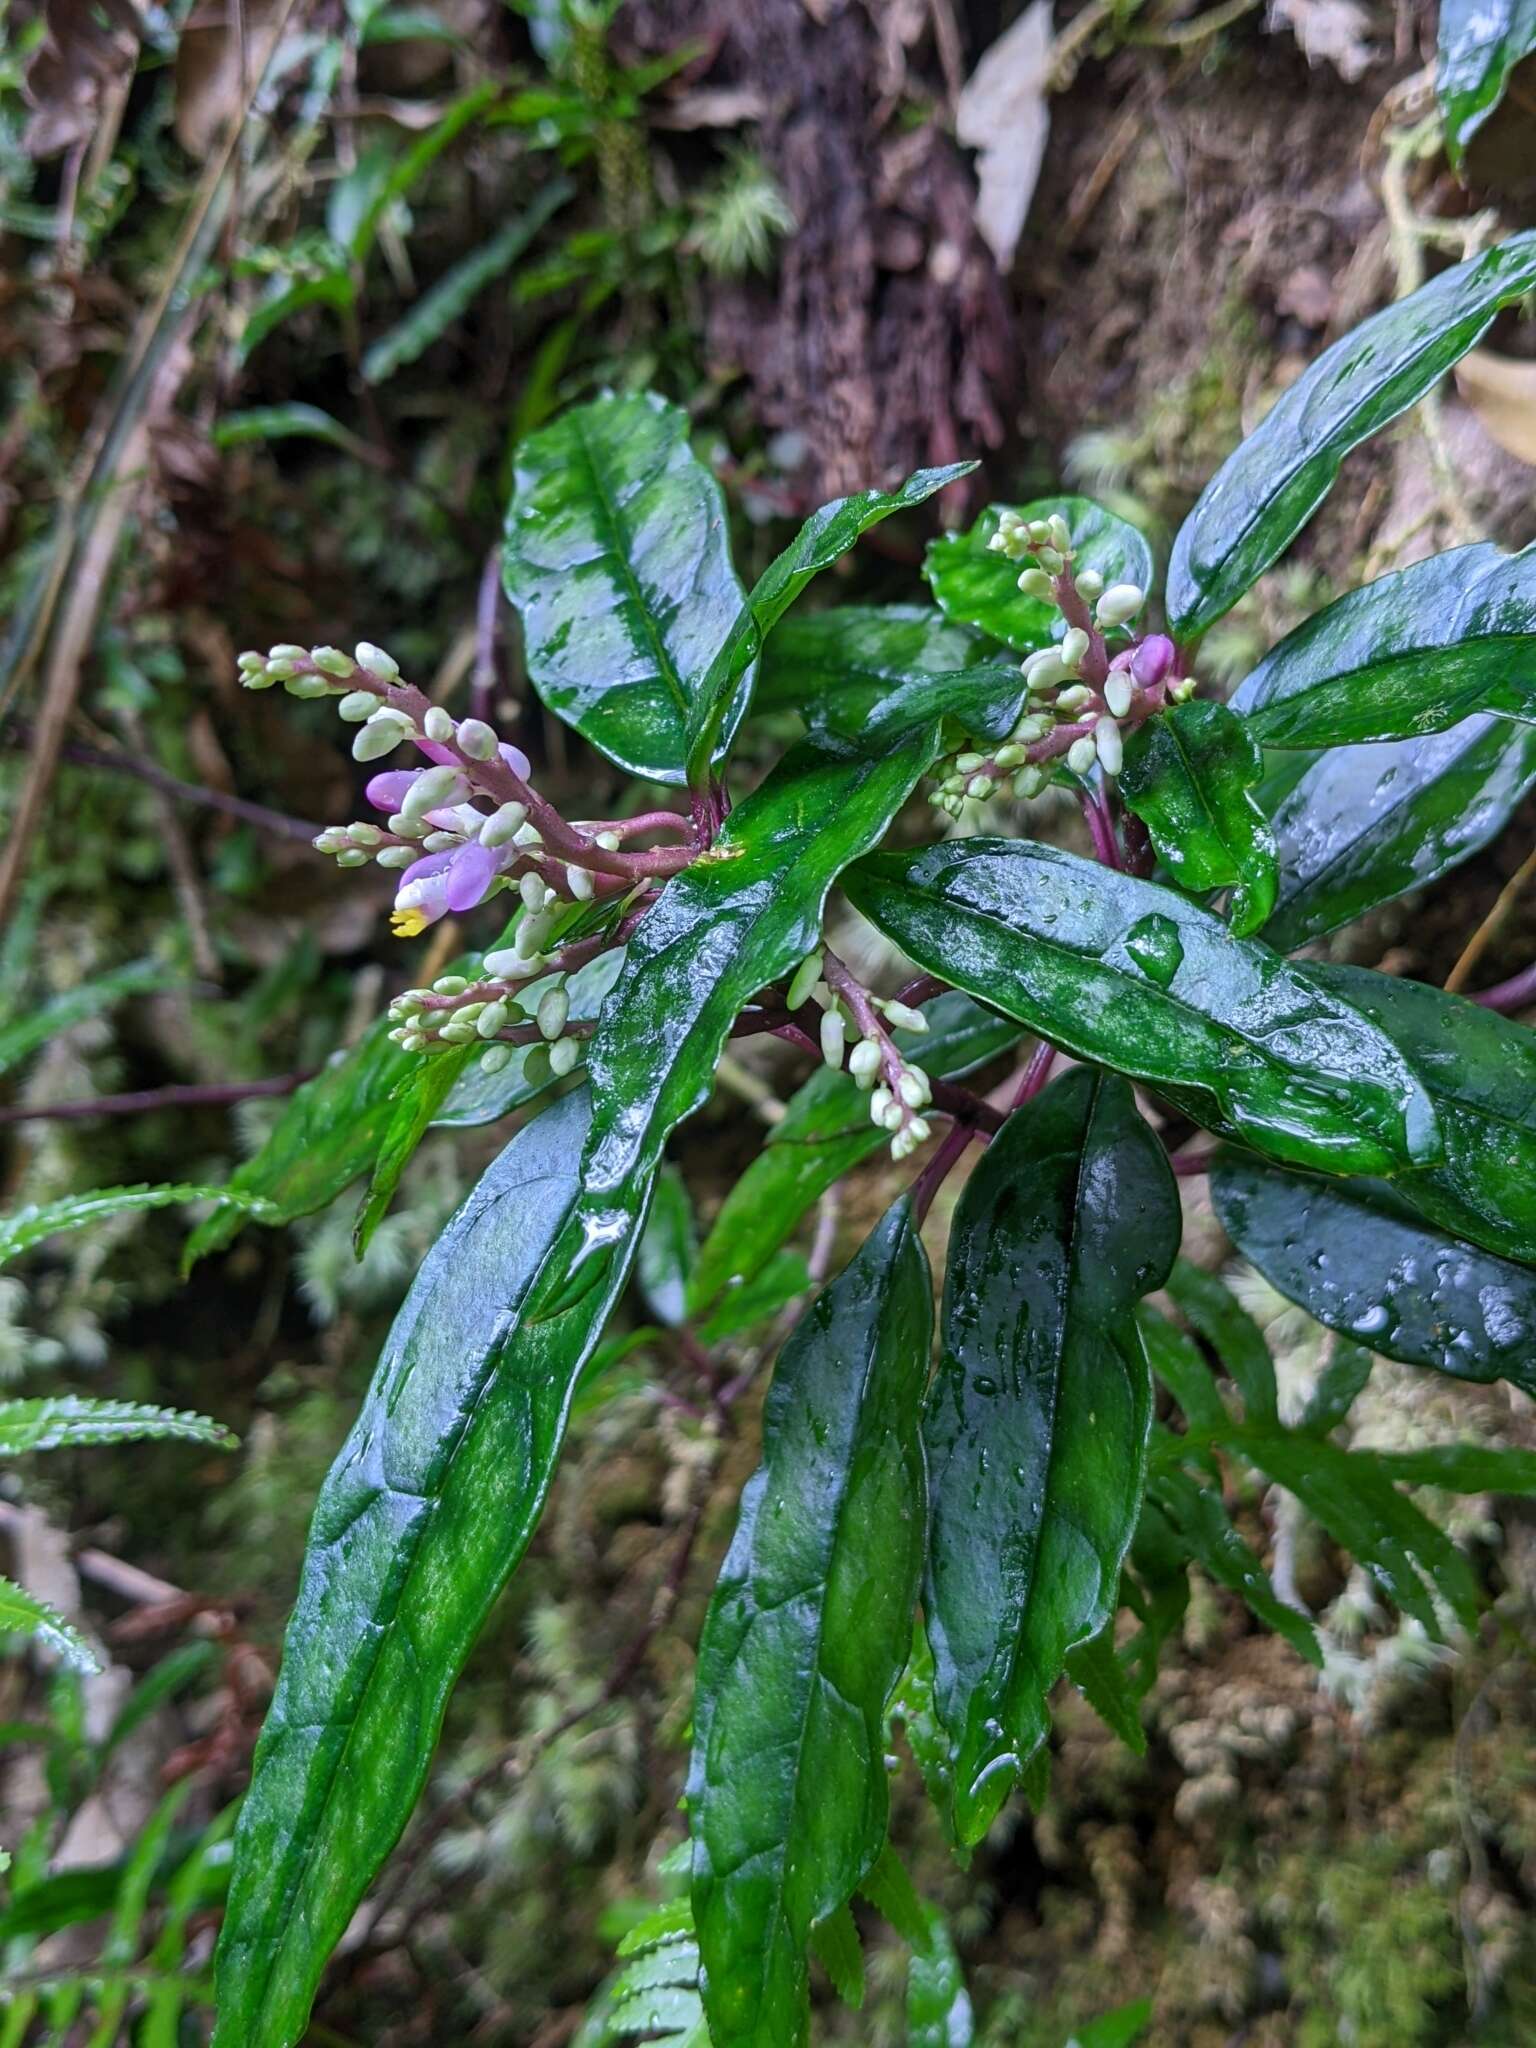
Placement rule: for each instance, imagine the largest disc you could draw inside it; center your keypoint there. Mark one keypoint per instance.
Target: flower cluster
(1080, 695)
(500, 1010)
(898, 1092)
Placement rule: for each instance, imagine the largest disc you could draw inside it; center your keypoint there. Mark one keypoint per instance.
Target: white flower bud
(980, 787)
(1045, 668)
(439, 842)
(967, 764)
(396, 856)
(1051, 560)
(1074, 699)
(332, 662)
(903, 1145)
(435, 789)
(1035, 583)
(864, 1062)
(285, 650)
(1061, 533)
(494, 1058)
(332, 840)
(413, 1041)
(361, 833)
(913, 1087)
(306, 686)
(250, 663)
(1120, 603)
(502, 825)
(378, 737)
(1183, 689)
(804, 979)
(1106, 740)
(553, 1012)
(491, 1021)
(1119, 690)
(533, 928)
(833, 1035)
(377, 662)
(477, 739)
(1009, 756)
(579, 882)
(1074, 645)
(449, 985)
(919, 1130)
(610, 842)
(1089, 584)
(1081, 755)
(531, 888)
(357, 706)
(904, 1017)
(527, 835)
(564, 1055)
(505, 965)
(406, 828)
(880, 1101)
(1034, 727)
(458, 1031)
(1029, 782)
(438, 725)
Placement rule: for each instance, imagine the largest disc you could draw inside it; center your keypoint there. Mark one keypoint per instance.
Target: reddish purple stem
(1515, 994)
(191, 1096)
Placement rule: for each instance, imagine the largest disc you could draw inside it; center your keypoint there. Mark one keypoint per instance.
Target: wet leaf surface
(1480, 43)
(1189, 775)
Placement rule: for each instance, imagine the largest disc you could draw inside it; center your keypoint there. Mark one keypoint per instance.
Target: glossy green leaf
(1036, 1428)
(618, 558)
(42, 1220)
(1480, 43)
(829, 533)
(1480, 1070)
(889, 1889)
(481, 1098)
(668, 1247)
(1357, 1256)
(785, 1276)
(1412, 653)
(1119, 970)
(985, 701)
(1189, 776)
(806, 1637)
(1238, 1342)
(976, 587)
(858, 653)
(22, 1614)
(417, 1101)
(1353, 1496)
(1365, 824)
(1196, 1512)
(457, 289)
(1267, 490)
(938, 2005)
(428, 1507)
(56, 1421)
(824, 1134)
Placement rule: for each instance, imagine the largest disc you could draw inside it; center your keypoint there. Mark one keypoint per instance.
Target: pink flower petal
(387, 792)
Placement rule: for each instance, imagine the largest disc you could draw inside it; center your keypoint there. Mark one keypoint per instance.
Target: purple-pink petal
(472, 869)
(515, 759)
(387, 792)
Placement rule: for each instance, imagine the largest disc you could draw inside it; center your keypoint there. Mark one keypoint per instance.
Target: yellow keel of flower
(407, 924)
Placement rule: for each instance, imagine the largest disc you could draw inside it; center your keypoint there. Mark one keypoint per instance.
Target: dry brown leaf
(1004, 117)
(1501, 391)
(87, 44)
(210, 91)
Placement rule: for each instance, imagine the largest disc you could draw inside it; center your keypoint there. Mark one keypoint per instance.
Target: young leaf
(860, 653)
(1188, 776)
(1412, 653)
(1197, 1514)
(1480, 1071)
(1119, 970)
(938, 2005)
(429, 1505)
(668, 1248)
(56, 1421)
(1232, 1334)
(1267, 490)
(22, 1614)
(1359, 1258)
(1365, 824)
(1480, 43)
(617, 557)
(1036, 1428)
(39, 1221)
(824, 1133)
(827, 534)
(976, 587)
(806, 1637)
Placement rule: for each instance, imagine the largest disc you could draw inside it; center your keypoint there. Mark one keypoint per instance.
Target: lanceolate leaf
(1119, 970)
(1188, 775)
(58, 1420)
(1196, 1512)
(617, 557)
(1480, 43)
(1267, 490)
(418, 1099)
(668, 1247)
(428, 1507)
(1415, 652)
(38, 1221)
(987, 700)
(1365, 824)
(976, 587)
(826, 1131)
(1362, 1260)
(827, 534)
(1037, 1423)
(1480, 1071)
(1232, 1334)
(858, 652)
(805, 1639)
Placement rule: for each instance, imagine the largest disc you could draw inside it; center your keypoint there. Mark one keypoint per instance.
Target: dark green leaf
(860, 653)
(836, 1946)
(287, 423)
(453, 294)
(1363, 1261)
(1265, 492)
(1365, 824)
(1119, 970)
(938, 2004)
(1413, 653)
(1352, 1494)
(668, 1247)
(1480, 43)
(1036, 1428)
(481, 1098)
(890, 1891)
(1176, 1360)
(1480, 1071)
(617, 557)
(1197, 1514)
(53, 1422)
(428, 1507)
(1098, 1671)
(1188, 775)
(785, 1276)
(824, 1134)
(1232, 1334)
(986, 700)
(1339, 1385)
(418, 1099)
(828, 533)
(1463, 1468)
(806, 1636)
(976, 587)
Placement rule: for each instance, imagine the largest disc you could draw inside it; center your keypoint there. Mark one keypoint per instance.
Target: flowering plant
(1041, 1497)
